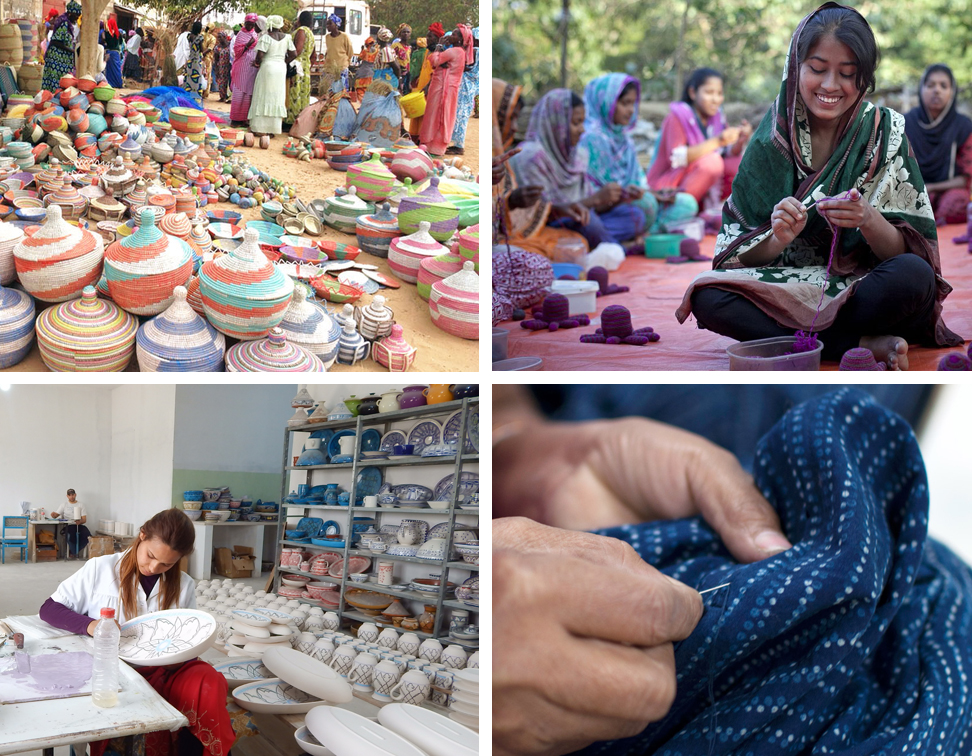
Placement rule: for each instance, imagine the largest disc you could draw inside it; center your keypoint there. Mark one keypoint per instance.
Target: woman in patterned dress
(194, 75)
(221, 65)
(298, 86)
(468, 90)
(59, 59)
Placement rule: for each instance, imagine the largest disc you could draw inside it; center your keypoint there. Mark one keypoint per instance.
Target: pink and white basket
(454, 303)
(406, 253)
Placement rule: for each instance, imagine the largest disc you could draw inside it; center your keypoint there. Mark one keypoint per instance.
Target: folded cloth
(858, 640)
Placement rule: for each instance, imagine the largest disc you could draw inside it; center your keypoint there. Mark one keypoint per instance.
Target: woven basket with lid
(374, 321)
(373, 181)
(454, 303)
(352, 347)
(144, 268)
(469, 245)
(16, 326)
(310, 326)
(376, 231)
(243, 293)
(342, 213)
(272, 354)
(10, 237)
(412, 163)
(58, 260)
(179, 341)
(432, 269)
(406, 253)
(431, 207)
(87, 334)
(393, 352)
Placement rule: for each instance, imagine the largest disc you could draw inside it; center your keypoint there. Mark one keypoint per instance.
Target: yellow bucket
(413, 104)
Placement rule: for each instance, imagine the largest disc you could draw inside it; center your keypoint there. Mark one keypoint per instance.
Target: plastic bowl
(501, 339)
(662, 245)
(519, 363)
(561, 269)
(771, 354)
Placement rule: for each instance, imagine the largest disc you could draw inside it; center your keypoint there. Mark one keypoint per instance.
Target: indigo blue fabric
(858, 640)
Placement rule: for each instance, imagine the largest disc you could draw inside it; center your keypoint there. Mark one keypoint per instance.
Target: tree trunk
(679, 52)
(564, 31)
(87, 62)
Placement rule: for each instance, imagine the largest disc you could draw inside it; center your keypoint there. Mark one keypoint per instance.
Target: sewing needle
(709, 590)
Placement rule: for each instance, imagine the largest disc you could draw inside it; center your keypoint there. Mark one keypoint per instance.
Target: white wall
(53, 438)
(142, 427)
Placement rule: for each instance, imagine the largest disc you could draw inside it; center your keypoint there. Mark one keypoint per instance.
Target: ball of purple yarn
(599, 274)
(955, 362)
(689, 248)
(616, 321)
(859, 358)
(555, 307)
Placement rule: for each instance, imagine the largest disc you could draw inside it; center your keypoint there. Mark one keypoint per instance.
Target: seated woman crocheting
(613, 171)
(941, 138)
(146, 578)
(697, 152)
(828, 228)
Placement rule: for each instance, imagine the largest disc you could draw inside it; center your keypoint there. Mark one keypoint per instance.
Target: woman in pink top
(697, 152)
(442, 102)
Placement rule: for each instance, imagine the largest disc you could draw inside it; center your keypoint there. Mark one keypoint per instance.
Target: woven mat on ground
(656, 291)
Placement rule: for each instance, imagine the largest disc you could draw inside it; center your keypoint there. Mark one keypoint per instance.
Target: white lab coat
(95, 586)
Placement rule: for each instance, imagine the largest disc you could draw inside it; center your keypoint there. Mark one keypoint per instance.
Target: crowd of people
(825, 172)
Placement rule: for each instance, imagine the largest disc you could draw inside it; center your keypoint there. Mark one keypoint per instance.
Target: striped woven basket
(273, 354)
(414, 164)
(58, 260)
(373, 180)
(374, 321)
(469, 245)
(243, 293)
(179, 341)
(454, 303)
(375, 232)
(393, 352)
(432, 269)
(352, 346)
(311, 327)
(406, 253)
(87, 334)
(16, 326)
(429, 206)
(144, 268)
(10, 237)
(342, 213)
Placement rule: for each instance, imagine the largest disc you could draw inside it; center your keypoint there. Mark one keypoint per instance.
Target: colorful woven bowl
(104, 93)
(454, 303)
(179, 341)
(335, 291)
(187, 120)
(273, 354)
(16, 326)
(338, 250)
(310, 326)
(87, 334)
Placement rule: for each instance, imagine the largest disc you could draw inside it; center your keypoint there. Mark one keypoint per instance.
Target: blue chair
(13, 536)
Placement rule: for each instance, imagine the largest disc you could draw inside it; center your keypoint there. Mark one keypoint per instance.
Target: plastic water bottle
(104, 674)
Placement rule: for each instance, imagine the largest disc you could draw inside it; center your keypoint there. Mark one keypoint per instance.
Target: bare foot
(891, 350)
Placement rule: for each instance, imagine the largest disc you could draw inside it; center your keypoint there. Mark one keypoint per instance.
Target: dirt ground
(438, 351)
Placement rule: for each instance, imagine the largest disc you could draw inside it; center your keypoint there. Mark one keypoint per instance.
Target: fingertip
(772, 542)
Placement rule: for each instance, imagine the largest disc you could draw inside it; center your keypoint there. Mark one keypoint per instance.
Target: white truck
(356, 17)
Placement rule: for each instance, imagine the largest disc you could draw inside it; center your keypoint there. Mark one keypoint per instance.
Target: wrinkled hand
(570, 666)
(604, 473)
(846, 213)
(608, 195)
(525, 196)
(788, 219)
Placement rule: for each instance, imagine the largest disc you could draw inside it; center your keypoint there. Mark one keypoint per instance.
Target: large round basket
(10, 237)
(454, 303)
(412, 163)
(144, 268)
(11, 45)
(469, 245)
(179, 341)
(243, 293)
(375, 232)
(187, 120)
(430, 206)
(371, 178)
(87, 334)
(16, 326)
(406, 253)
(393, 352)
(273, 354)
(58, 260)
(342, 213)
(310, 326)
(432, 269)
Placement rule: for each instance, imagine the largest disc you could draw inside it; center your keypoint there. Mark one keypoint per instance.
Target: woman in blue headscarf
(59, 59)
(612, 101)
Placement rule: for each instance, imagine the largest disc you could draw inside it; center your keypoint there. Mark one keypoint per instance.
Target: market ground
(656, 292)
(437, 350)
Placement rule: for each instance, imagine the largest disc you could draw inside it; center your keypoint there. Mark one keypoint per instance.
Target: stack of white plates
(464, 706)
(253, 632)
(121, 528)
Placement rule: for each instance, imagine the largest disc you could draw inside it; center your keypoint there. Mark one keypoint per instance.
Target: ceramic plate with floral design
(240, 671)
(274, 696)
(168, 637)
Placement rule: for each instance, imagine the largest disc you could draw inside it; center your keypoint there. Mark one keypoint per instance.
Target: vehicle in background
(356, 21)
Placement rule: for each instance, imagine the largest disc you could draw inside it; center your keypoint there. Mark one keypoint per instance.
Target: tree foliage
(419, 14)
(746, 39)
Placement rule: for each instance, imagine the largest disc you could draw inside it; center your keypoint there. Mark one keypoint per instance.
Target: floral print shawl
(611, 153)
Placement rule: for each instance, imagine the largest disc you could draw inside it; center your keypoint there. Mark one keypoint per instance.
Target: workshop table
(66, 721)
(32, 537)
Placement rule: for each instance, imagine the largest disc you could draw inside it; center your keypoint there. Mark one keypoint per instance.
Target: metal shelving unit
(319, 472)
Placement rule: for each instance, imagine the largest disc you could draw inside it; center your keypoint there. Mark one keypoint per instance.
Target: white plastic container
(581, 295)
(104, 672)
(693, 228)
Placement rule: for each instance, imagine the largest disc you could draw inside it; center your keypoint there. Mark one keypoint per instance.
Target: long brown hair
(175, 530)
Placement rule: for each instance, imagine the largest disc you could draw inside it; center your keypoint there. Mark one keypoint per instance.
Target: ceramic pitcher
(369, 405)
(464, 390)
(413, 688)
(368, 632)
(389, 401)
(409, 533)
(412, 396)
(437, 393)
(347, 444)
(385, 677)
(430, 650)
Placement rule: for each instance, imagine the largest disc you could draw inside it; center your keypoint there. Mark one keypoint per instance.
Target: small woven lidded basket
(393, 352)
(432, 269)
(373, 181)
(374, 321)
(87, 334)
(273, 354)
(144, 268)
(431, 207)
(310, 326)
(16, 326)
(341, 213)
(243, 293)
(454, 303)
(469, 245)
(375, 232)
(57, 261)
(405, 254)
(179, 341)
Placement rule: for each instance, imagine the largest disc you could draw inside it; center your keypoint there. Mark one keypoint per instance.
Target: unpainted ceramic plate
(433, 733)
(172, 636)
(310, 744)
(308, 674)
(274, 696)
(350, 734)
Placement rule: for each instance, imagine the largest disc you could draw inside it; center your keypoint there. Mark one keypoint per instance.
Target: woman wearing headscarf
(59, 60)
(468, 90)
(442, 101)
(387, 65)
(268, 107)
(221, 65)
(365, 72)
(298, 85)
(507, 104)
(114, 44)
(416, 60)
(828, 228)
(403, 50)
(546, 181)
(133, 48)
(193, 78)
(337, 54)
(941, 138)
(611, 103)
(243, 73)
(424, 77)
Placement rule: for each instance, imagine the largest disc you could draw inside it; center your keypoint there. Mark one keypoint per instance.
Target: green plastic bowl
(662, 245)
